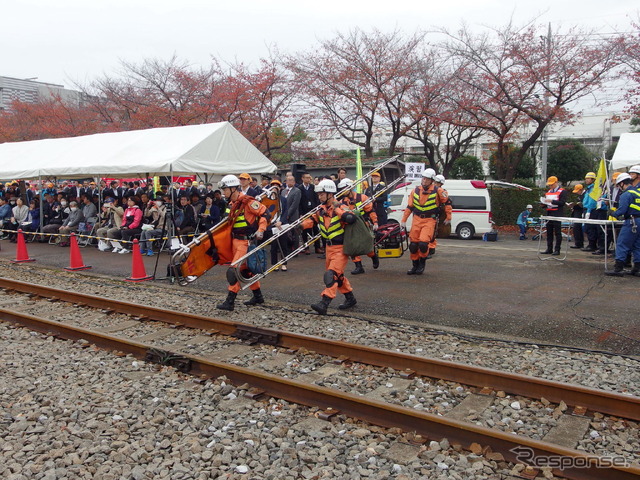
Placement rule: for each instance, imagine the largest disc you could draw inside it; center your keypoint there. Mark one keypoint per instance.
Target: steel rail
(625, 406)
(590, 467)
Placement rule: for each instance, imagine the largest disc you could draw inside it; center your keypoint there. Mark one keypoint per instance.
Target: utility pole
(545, 132)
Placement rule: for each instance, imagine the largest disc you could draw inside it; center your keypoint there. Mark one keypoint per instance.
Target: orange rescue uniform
(332, 230)
(248, 215)
(447, 211)
(424, 205)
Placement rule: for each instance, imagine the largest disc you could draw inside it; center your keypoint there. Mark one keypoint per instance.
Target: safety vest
(635, 205)
(553, 196)
(357, 203)
(429, 206)
(240, 224)
(334, 231)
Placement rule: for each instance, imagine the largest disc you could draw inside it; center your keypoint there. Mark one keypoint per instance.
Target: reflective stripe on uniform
(430, 205)
(334, 229)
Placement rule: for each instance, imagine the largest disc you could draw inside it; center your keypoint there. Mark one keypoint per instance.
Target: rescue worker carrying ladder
(331, 219)
(248, 216)
(424, 203)
(353, 201)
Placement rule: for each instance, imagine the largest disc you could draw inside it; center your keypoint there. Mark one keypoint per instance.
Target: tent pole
(41, 203)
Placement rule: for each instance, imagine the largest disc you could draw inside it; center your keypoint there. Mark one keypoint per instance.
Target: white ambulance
(470, 203)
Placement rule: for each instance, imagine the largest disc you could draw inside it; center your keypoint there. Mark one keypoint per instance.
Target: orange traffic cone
(138, 273)
(21, 250)
(75, 260)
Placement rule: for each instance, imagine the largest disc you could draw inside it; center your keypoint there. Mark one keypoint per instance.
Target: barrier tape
(106, 239)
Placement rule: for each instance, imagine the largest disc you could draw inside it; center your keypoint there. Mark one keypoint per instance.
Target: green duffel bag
(358, 238)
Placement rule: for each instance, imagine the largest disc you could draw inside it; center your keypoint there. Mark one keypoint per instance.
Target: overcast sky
(63, 41)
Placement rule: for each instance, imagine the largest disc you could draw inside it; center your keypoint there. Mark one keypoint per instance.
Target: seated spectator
(155, 218)
(197, 204)
(111, 221)
(32, 223)
(59, 212)
(131, 222)
(18, 217)
(210, 216)
(89, 210)
(185, 219)
(5, 217)
(71, 223)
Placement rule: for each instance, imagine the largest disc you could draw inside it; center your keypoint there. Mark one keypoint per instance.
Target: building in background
(30, 91)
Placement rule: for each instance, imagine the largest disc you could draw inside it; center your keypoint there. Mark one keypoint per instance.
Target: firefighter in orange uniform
(445, 210)
(331, 219)
(249, 217)
(424, 203)
(353, 201)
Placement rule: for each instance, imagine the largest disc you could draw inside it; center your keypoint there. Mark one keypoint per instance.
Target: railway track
(170, 346)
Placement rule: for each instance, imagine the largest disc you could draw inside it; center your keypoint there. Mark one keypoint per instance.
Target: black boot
(421, 263)
(256, 299)
(618, 269)
(432, 252)
(322, 305)
(414, 268)
(228, 303)
(358, 269)
(635, 271)
(349, 301)
(376, 261)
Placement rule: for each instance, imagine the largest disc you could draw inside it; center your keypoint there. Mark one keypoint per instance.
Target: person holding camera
(155, 216)
(111, 217)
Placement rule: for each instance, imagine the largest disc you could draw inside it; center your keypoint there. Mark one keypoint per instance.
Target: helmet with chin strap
(326, 185)
(229, 181)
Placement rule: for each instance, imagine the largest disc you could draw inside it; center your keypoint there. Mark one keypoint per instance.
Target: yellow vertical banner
(358, 169)
(156, 184)
(599, 186)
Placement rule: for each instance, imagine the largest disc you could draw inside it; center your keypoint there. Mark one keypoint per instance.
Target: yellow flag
(600, 183)
(358, 169)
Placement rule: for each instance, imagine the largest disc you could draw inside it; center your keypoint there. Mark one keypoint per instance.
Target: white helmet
(439, 179)
(326, 185)
(345, 183)
(622, 177)
(428, 173)
(635, 169)
(228, 181)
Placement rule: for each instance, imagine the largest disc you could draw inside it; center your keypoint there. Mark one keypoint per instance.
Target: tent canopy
(627, 152)
(215, 148)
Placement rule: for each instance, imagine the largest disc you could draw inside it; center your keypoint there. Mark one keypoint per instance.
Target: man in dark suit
(309, 201)
(245, 185)
(293, 195)
(378, 206)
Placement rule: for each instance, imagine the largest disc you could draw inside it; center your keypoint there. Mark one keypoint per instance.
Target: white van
(471, 205)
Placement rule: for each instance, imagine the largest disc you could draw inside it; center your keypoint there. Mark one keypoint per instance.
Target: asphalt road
(500, 289)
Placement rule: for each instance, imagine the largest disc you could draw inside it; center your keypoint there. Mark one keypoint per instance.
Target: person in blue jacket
(522, 221)
(629, 237)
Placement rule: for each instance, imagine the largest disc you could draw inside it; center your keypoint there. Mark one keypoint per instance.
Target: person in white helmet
(331, 219)
(522, 221)
(248, 217)
(445, 210)
(629, 237)
(353, 201)
(424, 204)
(634, 173)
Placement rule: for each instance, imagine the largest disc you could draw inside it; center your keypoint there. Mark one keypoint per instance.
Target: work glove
(375, 227)
(403, 225)
(259, 235)
(447, 222)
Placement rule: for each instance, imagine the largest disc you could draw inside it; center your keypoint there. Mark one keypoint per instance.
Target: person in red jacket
(331, 219)
(249, 217)
(424, 204)
(131, 222)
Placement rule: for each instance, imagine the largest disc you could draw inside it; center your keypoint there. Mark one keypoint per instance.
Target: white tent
(214, 148)
(627, 152)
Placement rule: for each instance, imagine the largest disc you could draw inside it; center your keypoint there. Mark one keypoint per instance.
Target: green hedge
(508, 203)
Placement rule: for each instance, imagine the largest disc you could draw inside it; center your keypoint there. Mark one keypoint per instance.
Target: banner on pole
(413, 170)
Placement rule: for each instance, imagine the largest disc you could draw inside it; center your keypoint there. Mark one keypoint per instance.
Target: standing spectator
(342, 174)
(629, 238)
(522, 221)
(131, 222)
(554, 201)
(379, 204)
(245, 185)
(220, 203)
(197, 204)
(577, 211)
(309, 201)
(292, 194)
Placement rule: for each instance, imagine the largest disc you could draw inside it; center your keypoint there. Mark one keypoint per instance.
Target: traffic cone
(21, 250)
(75, 260)
(138, 273)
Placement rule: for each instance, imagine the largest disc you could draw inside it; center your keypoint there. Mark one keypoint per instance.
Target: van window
(465, 202)
(396, 200)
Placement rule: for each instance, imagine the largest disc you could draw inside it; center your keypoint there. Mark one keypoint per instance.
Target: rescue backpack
(358, 238)
(257, 262)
